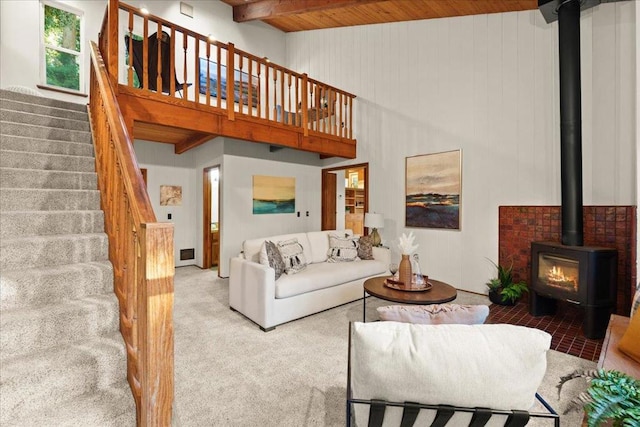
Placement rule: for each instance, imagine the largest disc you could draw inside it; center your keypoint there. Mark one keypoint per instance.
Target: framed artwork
(433, 186)
(239, 91)
(170, 195)
(353, 179)
(273, 194)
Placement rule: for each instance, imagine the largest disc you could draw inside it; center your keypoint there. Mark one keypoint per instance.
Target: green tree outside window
(62, 47)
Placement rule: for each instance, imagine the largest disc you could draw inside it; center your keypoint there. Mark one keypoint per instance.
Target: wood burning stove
(582, 275)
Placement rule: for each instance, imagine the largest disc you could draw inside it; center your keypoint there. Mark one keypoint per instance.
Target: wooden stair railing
(141, 251)
(220, 76)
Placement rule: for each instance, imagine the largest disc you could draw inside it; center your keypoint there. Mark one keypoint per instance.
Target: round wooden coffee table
(439, 293)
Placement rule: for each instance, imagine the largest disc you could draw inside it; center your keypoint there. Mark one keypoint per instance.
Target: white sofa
(254, 292)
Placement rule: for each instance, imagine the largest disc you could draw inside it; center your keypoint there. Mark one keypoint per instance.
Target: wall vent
(187, 254)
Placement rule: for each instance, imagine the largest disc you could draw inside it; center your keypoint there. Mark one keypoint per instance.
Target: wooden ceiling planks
(292, 15)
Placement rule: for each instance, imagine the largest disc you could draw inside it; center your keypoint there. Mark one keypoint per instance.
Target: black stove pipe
(570, 122)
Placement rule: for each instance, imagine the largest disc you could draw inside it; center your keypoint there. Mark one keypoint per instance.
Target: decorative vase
(405, 274)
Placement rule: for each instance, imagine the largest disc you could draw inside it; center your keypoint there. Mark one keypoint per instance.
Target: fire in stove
(556, 277)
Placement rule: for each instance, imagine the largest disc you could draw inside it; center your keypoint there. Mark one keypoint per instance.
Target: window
(62, 44)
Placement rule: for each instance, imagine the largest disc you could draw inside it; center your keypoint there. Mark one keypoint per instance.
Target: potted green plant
(502, 289)
(612, 398)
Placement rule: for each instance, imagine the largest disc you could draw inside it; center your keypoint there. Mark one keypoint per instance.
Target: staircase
(62, 358)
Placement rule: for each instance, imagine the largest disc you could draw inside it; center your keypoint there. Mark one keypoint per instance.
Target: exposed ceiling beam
(265, 9)
(192, 142)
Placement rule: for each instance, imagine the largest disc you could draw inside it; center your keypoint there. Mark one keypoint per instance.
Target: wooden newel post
(156, 324)
(112, 43)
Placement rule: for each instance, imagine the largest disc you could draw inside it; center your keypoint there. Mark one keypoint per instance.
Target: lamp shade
(373, 220)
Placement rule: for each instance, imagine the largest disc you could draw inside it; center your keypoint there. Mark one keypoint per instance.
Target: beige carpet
(230, 373)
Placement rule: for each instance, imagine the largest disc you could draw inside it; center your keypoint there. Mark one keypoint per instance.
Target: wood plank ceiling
(301, 15)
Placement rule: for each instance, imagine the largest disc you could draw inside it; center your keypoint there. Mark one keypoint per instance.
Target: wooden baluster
(259, 94)
(266, 90)
(207, 88)
(305, 105)
(111, 60)
(159, 59)
(350, 100)
(240, 87)
(231, 53)
(218, 77)
(275, 96)
(196, 83)
(297, 106)
(282, 82)
(250, 88)
(130, 50)
(292, 109)
(332, 112)
(172, 62)
(145, 54)
(184, 71)
(341, 116)
(316, 93)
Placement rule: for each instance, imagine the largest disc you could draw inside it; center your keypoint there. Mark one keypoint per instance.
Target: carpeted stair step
(48, 146)
(111, 407)
(29, 160)
(60, 375)
(46, 223)
(52, 179)
(43, 110)
(40, 120)
(44, 132)
(28, 199)
(34, 330)
(40, 100)
(51, 285)
(43, 251)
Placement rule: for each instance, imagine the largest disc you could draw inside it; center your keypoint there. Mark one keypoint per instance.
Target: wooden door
(329, 183)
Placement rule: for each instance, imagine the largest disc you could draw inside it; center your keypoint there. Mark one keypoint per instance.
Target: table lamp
(374, 221)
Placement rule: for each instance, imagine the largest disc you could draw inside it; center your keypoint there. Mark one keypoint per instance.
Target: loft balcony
(180, 87)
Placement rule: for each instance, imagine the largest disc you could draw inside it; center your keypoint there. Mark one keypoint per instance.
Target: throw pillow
(270, 256)
(435, 314)
(630, 342)
(292, 255)
(365, 247)
(342, 249)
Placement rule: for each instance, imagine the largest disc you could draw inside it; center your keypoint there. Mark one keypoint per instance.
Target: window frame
(79, 54)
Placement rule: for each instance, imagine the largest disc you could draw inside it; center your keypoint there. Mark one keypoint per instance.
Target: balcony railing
(194, 70)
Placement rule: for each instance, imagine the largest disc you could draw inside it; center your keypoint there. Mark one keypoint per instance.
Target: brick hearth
(608, 226)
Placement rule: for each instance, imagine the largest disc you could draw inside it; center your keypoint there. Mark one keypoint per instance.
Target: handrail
(141, 252)
(261, 89)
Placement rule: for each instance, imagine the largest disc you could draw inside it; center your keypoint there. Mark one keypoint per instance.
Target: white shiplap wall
(487, 85)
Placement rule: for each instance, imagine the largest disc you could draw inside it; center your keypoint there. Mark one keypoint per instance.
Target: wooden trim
(61, 90)
(206, 218)
(266, 9)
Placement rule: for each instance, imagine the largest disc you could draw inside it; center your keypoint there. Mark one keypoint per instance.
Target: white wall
(488, 85)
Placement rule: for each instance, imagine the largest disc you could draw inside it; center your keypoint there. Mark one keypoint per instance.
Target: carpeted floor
(230, 373)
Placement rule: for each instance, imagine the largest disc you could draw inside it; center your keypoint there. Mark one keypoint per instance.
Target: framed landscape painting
(240, 91)
(273, 194)
(433, 187)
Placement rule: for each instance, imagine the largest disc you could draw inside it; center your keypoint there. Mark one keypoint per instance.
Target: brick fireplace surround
(608, 226)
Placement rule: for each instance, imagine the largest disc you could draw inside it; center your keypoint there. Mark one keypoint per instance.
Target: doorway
(345, 197)
(211, 217)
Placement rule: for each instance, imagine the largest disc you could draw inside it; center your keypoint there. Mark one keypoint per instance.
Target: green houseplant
(502, 288)
(612, 398)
